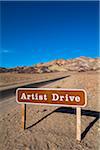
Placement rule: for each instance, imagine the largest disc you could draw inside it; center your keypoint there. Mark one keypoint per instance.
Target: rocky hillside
(77, 64)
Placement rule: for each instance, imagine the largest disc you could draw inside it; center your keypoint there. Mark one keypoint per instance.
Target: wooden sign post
(78, 124)
(53, 97)
(23, 116)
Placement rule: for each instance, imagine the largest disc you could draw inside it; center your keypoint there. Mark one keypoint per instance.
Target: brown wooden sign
(56, 97)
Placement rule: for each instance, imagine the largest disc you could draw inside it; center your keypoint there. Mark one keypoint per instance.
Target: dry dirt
(8, 80)
(53, 128)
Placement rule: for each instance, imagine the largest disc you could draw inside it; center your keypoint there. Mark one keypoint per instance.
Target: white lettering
(77, 99)
(40, 97)
(61, 98)
(28, 96)
(66, 97)
(55, 97)
(45, 97)
(71, 98)
(23, 96)
(36, 96)
(33, 97)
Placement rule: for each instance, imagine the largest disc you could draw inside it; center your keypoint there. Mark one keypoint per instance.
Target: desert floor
(48, 127)
(9, 80)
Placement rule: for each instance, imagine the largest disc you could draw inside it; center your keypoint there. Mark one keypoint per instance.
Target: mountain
(77, 64)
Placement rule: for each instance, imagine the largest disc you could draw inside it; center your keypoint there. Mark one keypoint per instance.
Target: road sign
(56, 97)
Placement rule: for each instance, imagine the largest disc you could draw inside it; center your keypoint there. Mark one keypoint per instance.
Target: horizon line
(49, 61)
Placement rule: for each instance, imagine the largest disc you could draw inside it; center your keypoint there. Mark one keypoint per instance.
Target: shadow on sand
(69, 110)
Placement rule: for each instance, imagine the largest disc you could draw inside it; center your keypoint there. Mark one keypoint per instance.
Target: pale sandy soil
(53, 128)
(14, 79)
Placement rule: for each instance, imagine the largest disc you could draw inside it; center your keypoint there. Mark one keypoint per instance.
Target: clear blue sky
(34, 32)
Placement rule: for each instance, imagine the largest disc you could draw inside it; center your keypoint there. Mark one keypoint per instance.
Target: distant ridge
(77, 64)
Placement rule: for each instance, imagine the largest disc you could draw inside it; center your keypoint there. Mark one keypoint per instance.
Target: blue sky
(34, 32)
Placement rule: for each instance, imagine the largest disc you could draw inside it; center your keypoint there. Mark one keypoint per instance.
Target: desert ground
(8, 80)
(49, 127)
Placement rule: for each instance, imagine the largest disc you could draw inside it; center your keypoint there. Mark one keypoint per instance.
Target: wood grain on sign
(59, 97)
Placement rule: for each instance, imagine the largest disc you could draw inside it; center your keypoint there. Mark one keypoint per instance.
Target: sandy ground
(12, 79)
(53, 128)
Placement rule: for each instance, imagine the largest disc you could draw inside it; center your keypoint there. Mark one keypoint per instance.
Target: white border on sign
(57, 89)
